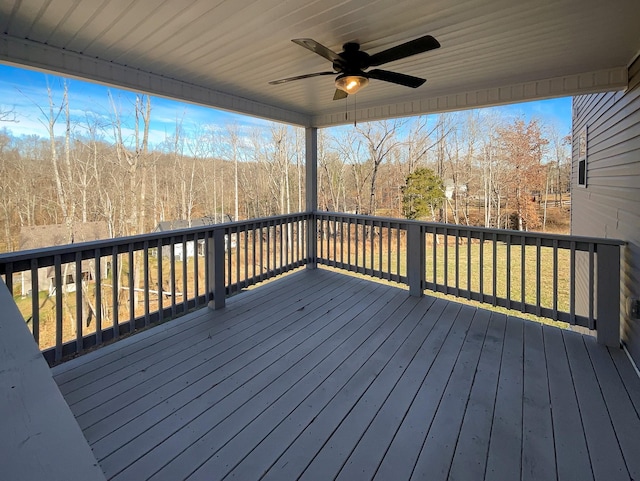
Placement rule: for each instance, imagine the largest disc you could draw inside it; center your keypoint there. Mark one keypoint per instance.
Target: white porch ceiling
(222, 53)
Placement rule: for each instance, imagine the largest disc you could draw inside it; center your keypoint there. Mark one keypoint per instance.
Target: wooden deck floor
(320, 375)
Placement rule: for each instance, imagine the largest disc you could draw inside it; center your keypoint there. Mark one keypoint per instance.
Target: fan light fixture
(351, 83)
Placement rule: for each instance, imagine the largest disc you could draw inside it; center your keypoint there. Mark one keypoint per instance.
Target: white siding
(610, 204)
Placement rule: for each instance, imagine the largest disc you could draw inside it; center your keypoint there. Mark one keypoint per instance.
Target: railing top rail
(20, 256)
(487, 230)
(395, 220)
(154, 237)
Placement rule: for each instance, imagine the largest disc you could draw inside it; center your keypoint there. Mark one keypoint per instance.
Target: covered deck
(323, 375)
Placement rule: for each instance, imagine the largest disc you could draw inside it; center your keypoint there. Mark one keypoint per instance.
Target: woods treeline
(495, 171)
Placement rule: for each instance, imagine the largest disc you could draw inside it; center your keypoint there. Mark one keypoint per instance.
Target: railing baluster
(35, 302)
(57, 270)
(508, 247)
(364, 246)
(523, 274)
(555, 278)
(115, 307)
(185, 263)
(282, 247)
(229, 258)
(160, 256)
(196, 270)
(253, 248)
(481, 253)
(538, 275)
(145, 260)
(172, 272)
(132, 294)
(341, 242)
(457, 237)
(98, 270)
(245, 244)
(434, 253)
(445, 258)
(398, 252)
(262, 250)
(572, 283)
(277, 245)
(349, 261)
(372, 234)
(495, 268)
(468, 263)
(389, 267)
(357, 246)
(591, 285)
(78, 283)
(335, 241)
(237, 253)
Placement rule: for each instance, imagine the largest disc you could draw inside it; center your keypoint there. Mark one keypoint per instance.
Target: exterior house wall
(609, 204)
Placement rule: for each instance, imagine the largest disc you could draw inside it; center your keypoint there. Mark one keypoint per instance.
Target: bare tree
(8, 114)
(381, 140)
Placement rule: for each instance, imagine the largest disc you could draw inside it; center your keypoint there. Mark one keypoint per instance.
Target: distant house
(37, 237)
(171, 225)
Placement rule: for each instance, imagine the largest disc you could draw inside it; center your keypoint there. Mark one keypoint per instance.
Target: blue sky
(26, 90)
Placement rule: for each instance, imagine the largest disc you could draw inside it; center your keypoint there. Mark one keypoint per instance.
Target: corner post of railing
(312, 241)
(311, 191)
(415, 259)
(608, 295)
(215, 268)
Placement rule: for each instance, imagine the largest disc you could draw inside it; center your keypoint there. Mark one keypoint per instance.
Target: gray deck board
(196, 360)
(405, 447)
(281, 389)
(619, 405)
(321, 375)
(369, 451)
(572, 454)
(439, 446)
(469, 461)
(604, 450)
(187, 414)
(538, 454)
(504, 460)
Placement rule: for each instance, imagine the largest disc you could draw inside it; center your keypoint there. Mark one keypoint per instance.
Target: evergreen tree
(422, 193)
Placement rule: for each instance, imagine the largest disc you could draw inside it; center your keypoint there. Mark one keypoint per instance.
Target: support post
(608, 295)
(215, 268)
(311, 186)
(415, 259)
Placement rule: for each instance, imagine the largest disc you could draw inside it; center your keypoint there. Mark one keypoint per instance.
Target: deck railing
(81, 295)
(78, 296)
(564, 278)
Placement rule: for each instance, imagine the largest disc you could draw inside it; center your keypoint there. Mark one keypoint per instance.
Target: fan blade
(309, 75)
(396, 78)
(340, 94)
(413, 47)
(314, 46)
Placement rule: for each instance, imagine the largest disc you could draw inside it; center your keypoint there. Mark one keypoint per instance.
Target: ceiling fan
(351, 64)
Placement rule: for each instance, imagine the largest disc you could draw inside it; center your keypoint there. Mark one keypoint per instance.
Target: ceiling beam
(612, 79)
(71, 64)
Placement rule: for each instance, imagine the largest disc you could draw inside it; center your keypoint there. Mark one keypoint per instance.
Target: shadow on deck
(321, 375)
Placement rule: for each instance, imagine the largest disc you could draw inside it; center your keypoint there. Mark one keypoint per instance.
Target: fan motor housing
(355, 60)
